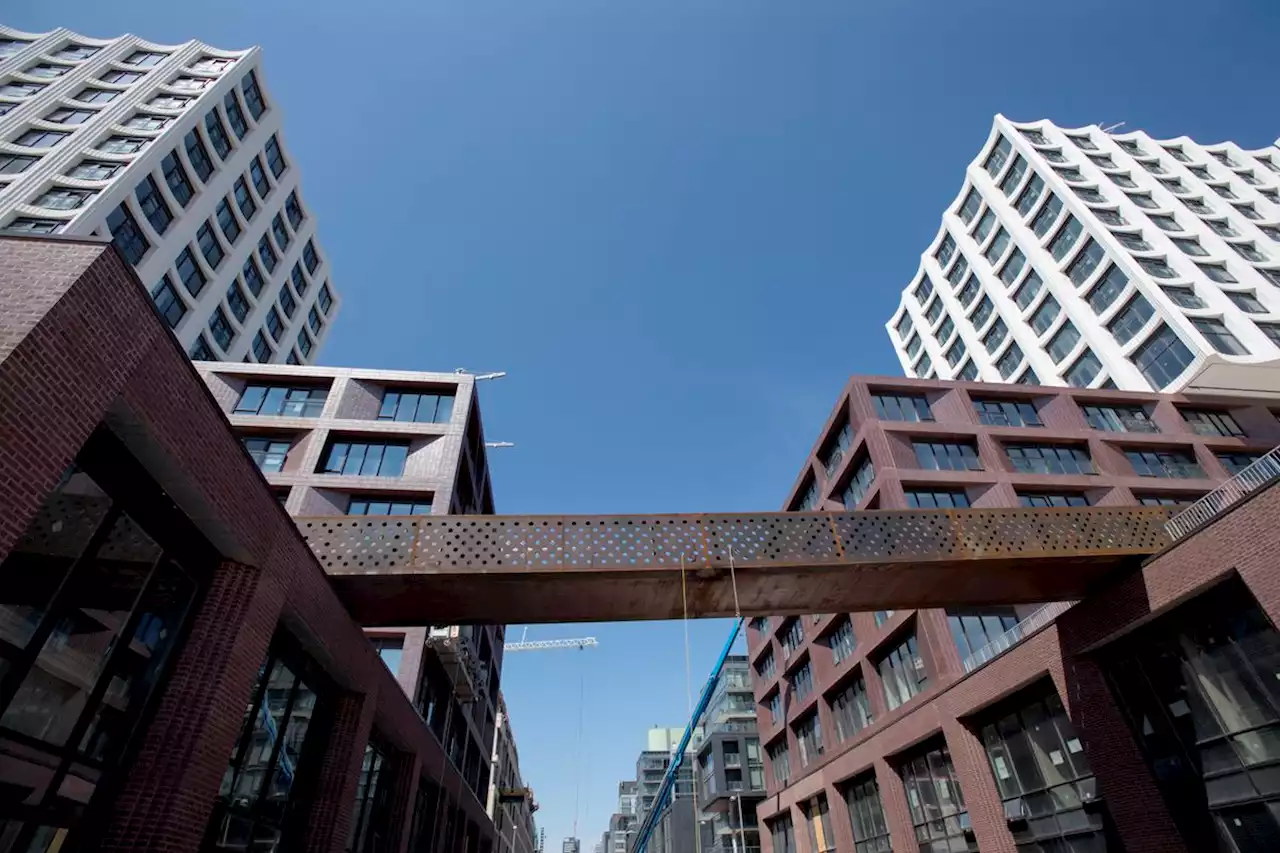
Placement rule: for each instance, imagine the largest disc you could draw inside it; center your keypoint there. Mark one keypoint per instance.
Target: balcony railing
(1256, 475)
(1174, 471)
(1015, 635)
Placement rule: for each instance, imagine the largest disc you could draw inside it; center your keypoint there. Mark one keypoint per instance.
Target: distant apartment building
(571, 845)
(730, 765)
(1094, 259)
(177, 153)
(368, 443)
(623, 822)
(511, 804)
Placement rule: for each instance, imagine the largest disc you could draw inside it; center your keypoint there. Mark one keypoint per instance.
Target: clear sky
(678, 224)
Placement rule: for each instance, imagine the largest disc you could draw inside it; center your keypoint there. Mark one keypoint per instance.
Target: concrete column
(167, 797)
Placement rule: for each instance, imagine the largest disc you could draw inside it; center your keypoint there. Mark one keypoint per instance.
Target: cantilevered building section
(175, 152)
(1099, 260)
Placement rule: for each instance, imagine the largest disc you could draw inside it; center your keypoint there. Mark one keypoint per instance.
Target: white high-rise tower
(1095, 259)
(176, 153)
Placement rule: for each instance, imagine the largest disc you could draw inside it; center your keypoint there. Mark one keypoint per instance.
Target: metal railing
(1016, 634)
(1255, 475)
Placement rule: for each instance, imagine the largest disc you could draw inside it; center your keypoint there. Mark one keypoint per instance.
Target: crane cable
(688, 692)
(577, 760)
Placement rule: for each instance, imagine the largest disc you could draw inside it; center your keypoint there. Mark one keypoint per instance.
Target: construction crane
(542, 645)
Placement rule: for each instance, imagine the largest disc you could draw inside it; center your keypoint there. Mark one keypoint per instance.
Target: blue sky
(678, 224)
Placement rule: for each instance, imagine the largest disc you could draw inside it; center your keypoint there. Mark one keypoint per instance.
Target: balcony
(1016, 634)
(732, 759)
(1172, 470)
(458, 654)
(1257, 475)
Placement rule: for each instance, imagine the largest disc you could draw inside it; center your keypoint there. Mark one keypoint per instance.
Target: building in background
(177, 153)
(885, 724)
(511, 804)
(366, 443)
(623, 822)
(730, 765)
(676, 827)
(571, 845)
(1094, 259)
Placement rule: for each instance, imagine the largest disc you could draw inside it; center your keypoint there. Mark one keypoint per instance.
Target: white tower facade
(176, 153)
(1095, 259)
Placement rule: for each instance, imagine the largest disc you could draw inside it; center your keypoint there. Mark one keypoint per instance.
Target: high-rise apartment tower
(1099, 260)
(175, 152)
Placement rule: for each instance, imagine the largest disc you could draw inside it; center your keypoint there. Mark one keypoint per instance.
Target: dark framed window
(808, 732)
(314, 320)
(123, 144)
(65, 115)
(280, 232)
(866, 814)
(304, 341)
(926, 499)
(275, 326)
(217, 133)
(176, 178)
(1119, 418)
(801, 682)
(973, 630)
(1014, 176)
(1219, 336)
(1029, 290)
(15, 164)
(1007, 412)
(311, 258)
(144, 58)
(767, 668)
(1108, 289)
(389, 506)
(791, 637)
(275, 157)
(834, 449)
(1044, 316)
(817, 817)
(901, 407)
(841, 640)
(1131, 319)
(94, 95)
(851, 708)
(781, 831)
(120, 78)
(293, 209)
(947, 456)
(244, 199)
(262, 350)
(209, 245)
(365, 458)
(90, 170)
(1030, 195)
(252, 276)
(902, 672)
(201, 351)
(1086, 262)
(168, 303)
(1085, 369)
(1009, 362)
(232, 106)
(371, 814)
(197, 155)
(1063, 342)
(252, 95)
(267, 254)
(28, 225)
(287, 303)
(936, 802)
(1237, 462)
(227, 222)
(259, 177)
(1048, 214)
(864, 474)
(1051, 499)
(269, 454)
(995, 336)
(969, 207)
(1050, 459)
(220, 329)
(153, 205)
(126, 235)
(189, 272)
(958, 271)
(429, 407)
(998, 157)
(1212, 422)
(324, 298)
(299, 280)
(288, 401)
(237, 301)
(63, 198)
(1013, 267)
(1178, 464)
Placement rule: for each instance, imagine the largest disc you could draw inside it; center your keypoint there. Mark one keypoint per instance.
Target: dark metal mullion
(99, 689)
(279, 744)
(57, 606)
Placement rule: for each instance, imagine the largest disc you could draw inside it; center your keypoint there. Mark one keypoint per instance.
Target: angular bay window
(832, 453)
(936, 802)
(864, 475)
(902, 672)
(818, 817)
(809, 738)
(841, 641)
(851, 709)
(975, 630)
(1163, 357)
(780, 767)
(792, 637)
(866, 814)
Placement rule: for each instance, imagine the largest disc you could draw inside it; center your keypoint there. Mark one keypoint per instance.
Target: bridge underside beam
(530, 569)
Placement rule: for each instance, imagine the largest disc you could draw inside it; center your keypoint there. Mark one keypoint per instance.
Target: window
(20, 90)
(73, 52)
(1028, 377)
(998, 157)
(969, 291)
(1110, 217)
(974, 630)
(201, 351)
(985, 224)
(923, 290)
(851, 707)
(314, 320)
(1144, 201)
(252, 277)
(144, 58)
(1173, 185)
(802, 684)
(293, 209)
(1132, 242)
(1070, 175)
(169, 102)
(936, 802)
(123, 145)
(126, 235)
(217, 133)
(194, 84)
(1271, 231)
(275, 158)
(1054, 155)
(1246, 301)
(1219, 336)
(41, 138)
(388, 506)
(15, 164)
(780, 763)
(252, 95)
(1047, 215)
(237, 301)
(267, 254)
(866, 814)
(1015, 413)
(1269, 163)
(209, 245)
(945, 331)
(299, 280)
(1157, 267)
(818, 818)
(1083, 142)
(429, 407)
(1211, 422)
(1065, 238)
(902, 672)
(140, 121)
(1009, 361)
(28, 225)
(1183, 297)
(1062, 343)
(968, 372)
(863, 476)
(121, 78)
(189, 272)
(999, 244)
(1248, 211)
(366, 458)
(287, 303)
(913, 345)
(275, 326)
(1166, 500)
(792, 637)
(283, 400)
(901, 407)
(1044, 316)
(61, 198)
(934, 311)
(1084, 371)
(198, 156)
(1091, 195)
(982, 313)
(947, 456)
(958, 270)
(280, 232)
(10, 47)
(946, 250)
(1052, 499)
(269, 454)
(1108, 289)
(304, 341)
(1017, 261)
(66, 115)
(259, 177)
(995, 337)
(1030, 289)
(312, 260)
(1050, 459)
(1031, 195)
(1163, 357)
(1237, 462)
(1035, 137)
(92, 95)
(1119, 418)
(221, 329)
(1197, 205)
(917, 499)
(1224, 158)
(1178, 464)
(244, 200)
(168, 303)
(324, 299)
(1223, 190)
(1014, 176)
(232, 106)
(1086, 262)
(1249, 252)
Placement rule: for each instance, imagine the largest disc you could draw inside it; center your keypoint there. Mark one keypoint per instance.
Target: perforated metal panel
(506, 543)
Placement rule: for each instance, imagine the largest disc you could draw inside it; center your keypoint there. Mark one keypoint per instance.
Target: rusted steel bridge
(527, 569)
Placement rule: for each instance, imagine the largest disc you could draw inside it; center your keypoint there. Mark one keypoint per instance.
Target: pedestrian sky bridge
(528, 569)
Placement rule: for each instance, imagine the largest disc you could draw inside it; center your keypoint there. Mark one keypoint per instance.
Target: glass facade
(866, 814)
(936, 802)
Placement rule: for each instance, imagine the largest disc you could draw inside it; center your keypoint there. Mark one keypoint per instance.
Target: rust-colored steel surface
(526, 569)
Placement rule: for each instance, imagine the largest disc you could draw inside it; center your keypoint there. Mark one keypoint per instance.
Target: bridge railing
(1257, 474)
(1028, 626)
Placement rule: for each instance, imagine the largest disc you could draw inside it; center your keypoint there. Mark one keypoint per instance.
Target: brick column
(406, 769)
(1130, 793)
(167, 797)
(328, 822)
(841, 823)
(893, 798)
(981, 796)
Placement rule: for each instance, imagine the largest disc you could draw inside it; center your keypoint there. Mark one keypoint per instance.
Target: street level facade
(1098, 258)
(177, 153)
(1052, 727)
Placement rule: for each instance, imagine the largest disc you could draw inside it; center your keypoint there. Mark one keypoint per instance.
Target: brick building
(1038, 728)
(246, 708)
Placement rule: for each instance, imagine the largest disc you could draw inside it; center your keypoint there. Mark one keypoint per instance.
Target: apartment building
(1094, 259)
(730, 765)
(362, 443)
(177, 153)
(511, 803)
(878, 728)
(623, 822)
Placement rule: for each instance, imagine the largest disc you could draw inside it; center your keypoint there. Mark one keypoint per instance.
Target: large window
(1212, 422)
(866, 814)
(1237, 462)
(851, 709)
(809, 738)
(176, 177)
(901, 407)
(269, 454)
(168, 303)
(818, 817)
(153, 205)
(426, 407)
(197, 154)
(126, 235)
(1051, 798)
(859, 484)
(289, 401)
(1163, 357)
(1084, 370)
(280, 745)
(1219, 336)
(93, 598)
(252, 95)
(371, 815)
(1108, 289)
(365, 459)
(930, 499)
(792, 636)
(1048, 499)
(1131, 319)
(902, 672)
(780, 765)
(1178, 464)
(1050, 459)
(974, 630)
(947, 456)
(841, 641)
(801, 682)
(936, 802)
(1007, 412)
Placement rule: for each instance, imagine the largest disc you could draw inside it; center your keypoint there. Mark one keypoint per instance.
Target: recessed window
(1044, 316)
(126, 235)
(324, 298)
(217, 133)
(145, 58)
(275, 157)
(985, 224)
(1035, 137)
(311, 258)
(268, 454)
(41, 138)
(1124, 181)
(1086, 262)
(1248, 211)
(431, 407)
(1223, 191)
(1013, 413)
(1132, 242)
(1219, 336)
(1070, 175)
(1090, 195)
(189, 272)
(169, 102)
(1212, 422)
(1173, 185)
(1189, 246)
(1217, 272)
(1249, 252)
(902, 672)
(209, 245)
(259, 177)
(982, 313)
(946, 330)
(1165, 222)
(1237, 462)
(926, 499)
(63, 198)
(30, 225)
(304, 341)
(995, 337)
(287, 303)
(1163, 357)
(388, 506)
(1157, 267)
(366, 459)
(227, 222)
(1014, 177)
(267, 254)
(153, 205)
(934, 311)
(1102, 161)
(1063, 342)
(280, 232)
(198, 156)
(1270, 195)
(1110, 217)
(275, 326)
(90, 95)
(191, 84)
(1110, 418)
(1183, 297)
(46, 70)
(1197, 206)
(923, 290)
(244, 200)
(1108, 289)
(999, 244)
(252, 96)
(1031, 195)
(1013, 267)
(850, 707)
(16, 164)
(1224, 158)
(1178, 464)
(958, 271)
(947, 456)
(1271, 231)
(1270, 274)
(1131, 319)
(75, 52)
(20, 90)
(252, 276)
(234, 115)
(1178, 154)
(1030, 289)
(969, 207)
(1084, 371)
(290, 401)
(901, 407)
(176, 178)
(298, 279)
(221, 330)
(1050, 459)
(140, 121)
(998, 157)
(120, 78)
(1009, 362)
(1144, 201)
(1131, 147)
(1269, 163)
(66, 115)
(123, 145)
(293, 209)
(168, 303)
(1082, 142)
(201, 351)
(1053, 155)
(237, 301)
(913, 345)
(1044, 220)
